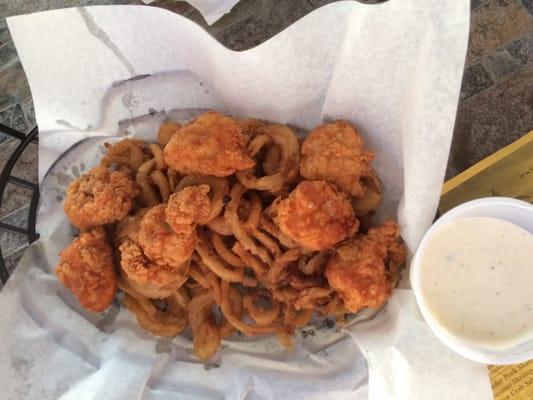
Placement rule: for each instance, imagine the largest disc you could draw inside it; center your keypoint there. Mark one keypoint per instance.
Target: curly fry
(260, 315)
(232, 218)
(225, 253)
(216, 265)
(158, 156)
(161, 182)
(245, 328)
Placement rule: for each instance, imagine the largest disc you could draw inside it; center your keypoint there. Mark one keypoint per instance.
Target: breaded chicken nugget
(334, 152)
(363, 270)
(101, 196)
(187, 208)
(86, 268)
(315, 215)
(213, 144)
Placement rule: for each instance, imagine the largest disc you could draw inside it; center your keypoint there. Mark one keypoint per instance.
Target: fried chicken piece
(213, 144)
(86, 268)
(154, 267)
(364, 270)
(143, 271)
(315, 215)
(334, 152)
(100, 197)
(188, 207)
(160, 243)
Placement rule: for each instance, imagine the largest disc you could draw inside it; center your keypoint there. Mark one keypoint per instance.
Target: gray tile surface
(14, 117)
(11, 243)
(492, 119)
(26, 166)
(500, 63)
(8, 54)
(475, 79)
(522, 49)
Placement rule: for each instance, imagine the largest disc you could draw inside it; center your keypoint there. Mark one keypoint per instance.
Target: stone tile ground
(495, 108)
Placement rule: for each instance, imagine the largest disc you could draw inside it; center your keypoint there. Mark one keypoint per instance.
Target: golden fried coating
(160, 243)
(363, 271)
(101, 196)
(141, 270)
(86, 268)
(334, 152)
(213, 144)
(315, 215)
(154, 278)
(188, 207)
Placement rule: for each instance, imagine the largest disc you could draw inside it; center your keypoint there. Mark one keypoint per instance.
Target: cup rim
(464, 347)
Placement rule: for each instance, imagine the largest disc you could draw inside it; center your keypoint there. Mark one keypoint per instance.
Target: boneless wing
(363, 270)
(213, 144)
(100, 197)
(315, 215)
(335, 152)
(86, 268)
(144, 266)
(160, 243)
(187, 208)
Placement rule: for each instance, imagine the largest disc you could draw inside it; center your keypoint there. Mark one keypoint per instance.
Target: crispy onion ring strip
(158, 156)
(252, 262)
(206, 340)
(245, 328)
(235, 299)
(161, 323)
(269, 243)
(269, 227)
(294, 319)
(147, 195)
(260, 315)
(232, 218)
(286, 140)
(249, 126)
(217, 266)
(172, 177)
(371, 199)
(314, 264)
(144, 170)
(226, 254)
(271, 164)
(312, 297)
(206, 334)
(126, 152)
(281, 263)
(161, 182)
(257, 143)
(220, 226)
(199, 308)
(198, 275)
(254, 216)
(219, 190)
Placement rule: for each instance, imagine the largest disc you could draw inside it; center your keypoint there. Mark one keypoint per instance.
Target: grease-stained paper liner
(99, 73)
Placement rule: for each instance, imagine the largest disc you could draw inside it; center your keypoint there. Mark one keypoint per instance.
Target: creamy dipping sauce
(477, 280)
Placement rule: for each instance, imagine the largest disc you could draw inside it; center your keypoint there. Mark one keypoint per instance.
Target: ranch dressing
(477, 279)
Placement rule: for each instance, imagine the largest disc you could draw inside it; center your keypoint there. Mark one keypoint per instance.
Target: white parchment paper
(101, 72)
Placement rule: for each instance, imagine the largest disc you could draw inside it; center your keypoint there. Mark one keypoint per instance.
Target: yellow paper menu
(509, 173)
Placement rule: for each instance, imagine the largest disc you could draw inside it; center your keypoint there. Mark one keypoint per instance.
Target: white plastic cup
(515, 211)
